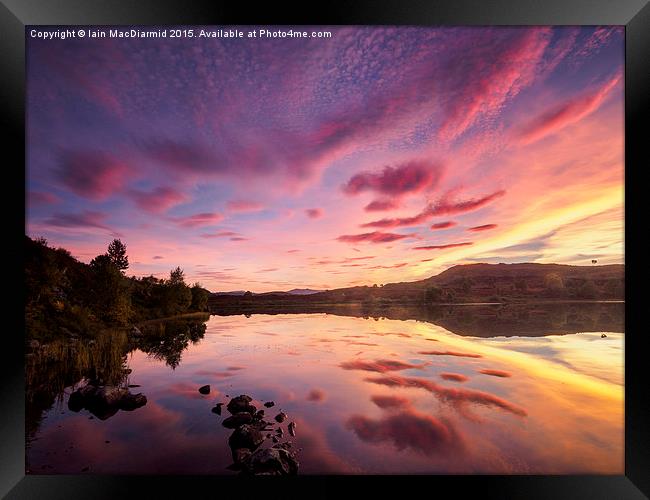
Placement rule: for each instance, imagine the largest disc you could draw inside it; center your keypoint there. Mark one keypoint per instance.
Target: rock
(237, 419)
(269, 404)
(279, 431)
(603, 336)
(292, 428)
(281, 417)
(217, 408)
(245, 436)
(134, 385)
(275, 439)
(259, 414)
(104, 402)
(241, 404)
(127, 371)
(131, 402)
(204, 389)
(240, 455)
(110, 395)
(272, 461)
(76, 401)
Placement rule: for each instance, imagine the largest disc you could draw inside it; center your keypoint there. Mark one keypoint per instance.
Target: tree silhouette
(177, 277)
(117, 254)
(199, 298)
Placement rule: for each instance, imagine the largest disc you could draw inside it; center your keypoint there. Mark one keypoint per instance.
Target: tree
(199, 298)
(178, 296)
(433, 294)
(177, 277)
(614, 288)
(110, 291)
(588, 290)
(554, 284)
(117, 254)
(521, 285)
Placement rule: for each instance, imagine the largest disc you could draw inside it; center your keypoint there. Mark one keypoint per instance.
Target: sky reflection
(549, 405)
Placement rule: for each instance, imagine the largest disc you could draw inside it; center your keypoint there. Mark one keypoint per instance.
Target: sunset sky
(374, 156)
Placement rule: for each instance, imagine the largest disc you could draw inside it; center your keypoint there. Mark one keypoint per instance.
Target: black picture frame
(634, 14)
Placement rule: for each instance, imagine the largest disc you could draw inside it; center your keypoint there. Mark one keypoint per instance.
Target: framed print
(388, 246)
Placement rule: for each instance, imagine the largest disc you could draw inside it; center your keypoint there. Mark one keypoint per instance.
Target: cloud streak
(442, 247)
(454, 396)
(380, 366)
(565, 114)
(198, 220)
(443, 206)
(374, 237)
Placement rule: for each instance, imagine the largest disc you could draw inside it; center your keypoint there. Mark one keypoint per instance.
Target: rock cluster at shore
(249, 435)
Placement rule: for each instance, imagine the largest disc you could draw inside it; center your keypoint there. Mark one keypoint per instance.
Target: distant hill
(468, 283)
(303, 291)
(295, 291)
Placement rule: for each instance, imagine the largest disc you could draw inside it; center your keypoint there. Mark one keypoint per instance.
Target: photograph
(324, 250)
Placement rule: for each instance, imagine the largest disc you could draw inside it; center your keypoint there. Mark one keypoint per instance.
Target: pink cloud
(442, 247)
(316, 395)
(409, 429)
(374, 237)
(85, 219)
(244, 206)
(600, 37)
(490, 74)
(37, 198)
(496, 373)
(314, 213)
(411, 177)
(454, 396)
(484, 227)
(442, 207)
(387, 402)
(381, 205)
(454, 377)
(219, 234)
(443, 225)
(392, 266)
(567, 113)
(92, 174)
(381, 365)
(158, 200)
(197, 220)
(450, 353)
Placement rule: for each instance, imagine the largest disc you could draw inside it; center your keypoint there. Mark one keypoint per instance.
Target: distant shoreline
(305, 305)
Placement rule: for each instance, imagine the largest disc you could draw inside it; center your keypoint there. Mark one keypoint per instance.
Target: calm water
(367, 396)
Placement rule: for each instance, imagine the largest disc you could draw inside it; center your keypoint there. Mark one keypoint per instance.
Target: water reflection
(166, 340)
(548, 404)
(528, 320)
